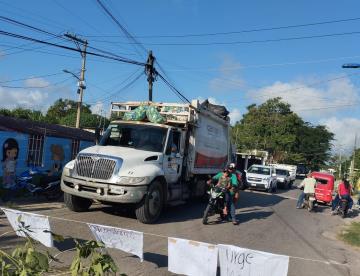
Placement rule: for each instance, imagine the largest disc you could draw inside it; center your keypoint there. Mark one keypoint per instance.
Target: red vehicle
(324, 186)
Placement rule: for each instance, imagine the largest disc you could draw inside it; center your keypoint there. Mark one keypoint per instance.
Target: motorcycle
(215, 204)
(47, 185)
(309, 202)
(342, 208)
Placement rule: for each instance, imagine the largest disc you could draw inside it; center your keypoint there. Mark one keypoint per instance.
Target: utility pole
(151, 73)
(352, 166)
(81, 83)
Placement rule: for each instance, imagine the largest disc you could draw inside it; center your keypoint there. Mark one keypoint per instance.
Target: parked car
(292, 169)
(262, 178)
(283, 178)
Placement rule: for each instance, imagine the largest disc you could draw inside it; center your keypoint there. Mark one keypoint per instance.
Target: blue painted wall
(49, 142)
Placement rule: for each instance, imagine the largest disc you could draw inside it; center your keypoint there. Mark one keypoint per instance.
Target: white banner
(34, 225)
(123, 239)
(237, 261)
(192, 257)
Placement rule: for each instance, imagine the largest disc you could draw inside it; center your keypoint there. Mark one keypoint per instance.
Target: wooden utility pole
(151, 73)
(81, 83)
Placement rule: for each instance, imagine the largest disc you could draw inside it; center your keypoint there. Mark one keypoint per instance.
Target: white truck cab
(262, 177)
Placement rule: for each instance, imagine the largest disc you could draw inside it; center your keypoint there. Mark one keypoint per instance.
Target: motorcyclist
(343, 192)
(229, 195)
(308, 186)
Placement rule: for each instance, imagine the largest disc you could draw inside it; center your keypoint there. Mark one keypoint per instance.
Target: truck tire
(77, 204)
(149, 209)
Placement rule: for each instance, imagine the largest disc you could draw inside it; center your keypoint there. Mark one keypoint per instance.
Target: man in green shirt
(229, 196)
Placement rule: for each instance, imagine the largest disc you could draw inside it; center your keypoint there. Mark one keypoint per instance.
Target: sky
(235, 53)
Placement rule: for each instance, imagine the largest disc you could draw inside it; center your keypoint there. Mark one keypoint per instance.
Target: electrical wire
(35, 87)
(70, 48)
(176, 92)
(241, 31)
(34, 77)
(123, 29)
(249, 41)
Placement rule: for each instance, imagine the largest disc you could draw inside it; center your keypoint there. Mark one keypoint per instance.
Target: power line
(35, 87)
(250, 41)
(177, 92)
(34, 77)
(241, 31)
(123, 29)
(70, 48)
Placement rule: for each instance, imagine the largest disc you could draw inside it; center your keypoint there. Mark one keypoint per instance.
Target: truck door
(174, 155)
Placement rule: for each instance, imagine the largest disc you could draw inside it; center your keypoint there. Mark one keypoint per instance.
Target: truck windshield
(149, 138)
(259, 170)
(281, 172)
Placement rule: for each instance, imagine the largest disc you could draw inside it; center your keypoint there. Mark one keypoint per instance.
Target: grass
(351, 234)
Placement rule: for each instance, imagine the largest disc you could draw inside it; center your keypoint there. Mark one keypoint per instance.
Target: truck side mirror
(97, 136)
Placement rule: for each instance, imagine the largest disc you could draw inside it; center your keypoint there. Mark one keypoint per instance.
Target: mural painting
(9, 161)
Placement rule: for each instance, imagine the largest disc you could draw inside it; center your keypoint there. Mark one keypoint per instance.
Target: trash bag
(154, 116)
(217, 109)
(138, 114)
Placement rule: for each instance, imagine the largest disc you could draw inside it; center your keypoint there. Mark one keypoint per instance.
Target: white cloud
(228, 79)
(235, 115)
(345, 130)
(36, 82)
(311, 102)
(98, 108)
(31, 97)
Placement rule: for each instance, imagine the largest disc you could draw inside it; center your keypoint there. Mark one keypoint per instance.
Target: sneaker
(298, 207)
(235, 222)
(332, 213)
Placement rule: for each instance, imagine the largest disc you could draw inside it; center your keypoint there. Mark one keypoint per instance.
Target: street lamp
(81, 86)
(351, 65)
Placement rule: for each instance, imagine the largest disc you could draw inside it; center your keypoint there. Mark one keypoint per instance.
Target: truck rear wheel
(149, 209)
(77, 204)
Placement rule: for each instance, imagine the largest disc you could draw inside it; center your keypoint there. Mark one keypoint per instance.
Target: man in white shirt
(308, 184)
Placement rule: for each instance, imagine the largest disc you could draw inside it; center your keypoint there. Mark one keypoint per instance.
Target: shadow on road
(158, 259)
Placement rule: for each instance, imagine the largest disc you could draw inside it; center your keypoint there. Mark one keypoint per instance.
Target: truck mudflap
(103, 191)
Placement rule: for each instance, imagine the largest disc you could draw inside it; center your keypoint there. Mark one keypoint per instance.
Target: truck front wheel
(77, 204)
(149, 209)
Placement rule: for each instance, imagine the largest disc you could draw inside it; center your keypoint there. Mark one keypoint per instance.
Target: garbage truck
(152, 154)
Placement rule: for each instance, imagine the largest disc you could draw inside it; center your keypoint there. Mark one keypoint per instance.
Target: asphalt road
(268, 222)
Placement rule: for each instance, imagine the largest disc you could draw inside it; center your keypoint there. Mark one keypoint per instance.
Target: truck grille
(94, 166)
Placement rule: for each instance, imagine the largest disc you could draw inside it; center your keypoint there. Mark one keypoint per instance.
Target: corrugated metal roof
(40, 128)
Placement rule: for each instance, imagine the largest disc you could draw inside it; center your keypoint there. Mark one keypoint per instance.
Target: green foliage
(352, 234)
(86, 120)
(26, 260)
(273, 127)
(99, 263)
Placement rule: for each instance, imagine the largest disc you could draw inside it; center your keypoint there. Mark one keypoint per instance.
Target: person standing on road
(308, 186)
(343, 192)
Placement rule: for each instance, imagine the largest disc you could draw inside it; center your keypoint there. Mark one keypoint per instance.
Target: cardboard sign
(36, 226)
(237, 261)
(191, 257)
(118, 238)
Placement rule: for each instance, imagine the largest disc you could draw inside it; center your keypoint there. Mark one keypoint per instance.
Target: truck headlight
(68, 168)
(70, 165)
(130, 180)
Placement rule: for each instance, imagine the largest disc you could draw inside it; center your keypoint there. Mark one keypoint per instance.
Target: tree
(273, 127)
(63, 107)
(86, 120)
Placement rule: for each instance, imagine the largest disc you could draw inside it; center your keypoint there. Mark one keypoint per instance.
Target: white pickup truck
(146, 165)
(262, 177)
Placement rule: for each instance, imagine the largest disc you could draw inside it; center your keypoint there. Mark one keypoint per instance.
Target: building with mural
(25, 144)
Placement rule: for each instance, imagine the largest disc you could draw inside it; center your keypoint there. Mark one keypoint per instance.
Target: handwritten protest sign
(237, 261)
(191, 257)
(118, 238)
(36, 226)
